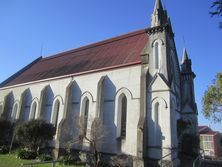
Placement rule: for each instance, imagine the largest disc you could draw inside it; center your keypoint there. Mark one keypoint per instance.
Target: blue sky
(26, 26)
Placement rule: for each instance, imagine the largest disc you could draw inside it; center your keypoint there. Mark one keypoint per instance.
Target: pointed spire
(186, 63)
(185, 56)
(159, 16)
(158, 6)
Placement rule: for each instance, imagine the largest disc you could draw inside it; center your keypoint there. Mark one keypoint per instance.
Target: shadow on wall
(26, 100)
(47, 101)
(1, 110)
(68, 133)
(7, 110)
(155, 147)
(108, 116)
(154, 136)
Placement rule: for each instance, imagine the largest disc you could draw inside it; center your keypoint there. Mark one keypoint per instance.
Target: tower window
(157, 52)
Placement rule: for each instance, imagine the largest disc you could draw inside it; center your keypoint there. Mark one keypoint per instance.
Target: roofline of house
(71, 75)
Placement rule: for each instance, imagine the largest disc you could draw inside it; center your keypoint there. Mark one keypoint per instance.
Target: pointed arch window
(157, 55)
(86, 113)
(123, 116)
(122, 101)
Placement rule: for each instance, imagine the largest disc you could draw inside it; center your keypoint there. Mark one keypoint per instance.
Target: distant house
(210, 141)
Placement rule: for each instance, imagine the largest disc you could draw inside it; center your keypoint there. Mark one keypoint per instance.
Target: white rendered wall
(128, 77)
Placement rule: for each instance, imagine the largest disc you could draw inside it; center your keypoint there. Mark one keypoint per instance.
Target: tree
(212, 100)
(217, 9)
(6, 130)
(82, 135)
(190, 145)
(35, 134)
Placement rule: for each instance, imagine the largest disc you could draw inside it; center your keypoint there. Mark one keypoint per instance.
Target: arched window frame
(56, 110)
(84, 112)
(34, 109)
(118, 110)
(157, 53)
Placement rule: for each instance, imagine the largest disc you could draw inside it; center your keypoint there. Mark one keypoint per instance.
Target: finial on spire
(185, 56)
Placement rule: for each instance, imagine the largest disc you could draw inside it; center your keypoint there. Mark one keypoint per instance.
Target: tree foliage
(35, 134)
(217, 9)
(212, 100)
(6, 130)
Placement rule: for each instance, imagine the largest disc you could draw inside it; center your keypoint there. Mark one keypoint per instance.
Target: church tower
(188, 104)
(163, 88)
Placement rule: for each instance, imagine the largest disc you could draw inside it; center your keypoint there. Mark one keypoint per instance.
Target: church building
(134, 83)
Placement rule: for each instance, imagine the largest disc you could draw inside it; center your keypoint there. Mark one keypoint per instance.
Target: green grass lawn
(12, 161)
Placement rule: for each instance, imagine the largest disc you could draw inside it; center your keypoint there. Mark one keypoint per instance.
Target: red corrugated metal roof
(202, 128)
(118, 51)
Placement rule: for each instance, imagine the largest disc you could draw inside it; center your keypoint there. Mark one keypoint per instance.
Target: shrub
(4, 149)
(70, 159)
(26, 154)
(45, 157)
(121, 160)
(35, 134)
